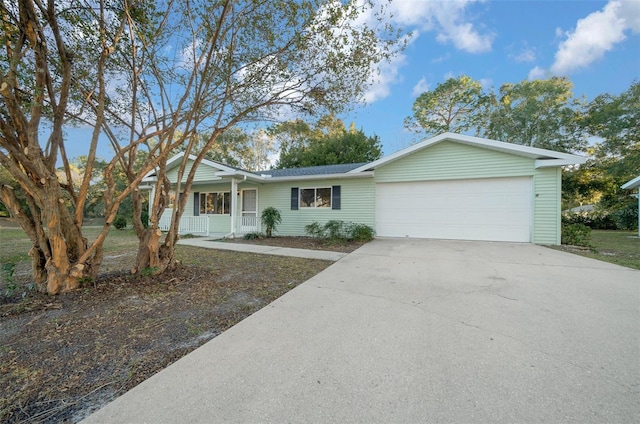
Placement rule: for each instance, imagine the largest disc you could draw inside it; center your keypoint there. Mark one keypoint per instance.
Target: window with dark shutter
(335, 197)
(294, 198)
(196, 204)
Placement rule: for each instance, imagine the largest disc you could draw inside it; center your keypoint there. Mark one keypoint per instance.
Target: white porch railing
(188, 224)
(247, 224)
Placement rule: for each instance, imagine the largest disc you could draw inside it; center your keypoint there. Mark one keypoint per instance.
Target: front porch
(201, 226)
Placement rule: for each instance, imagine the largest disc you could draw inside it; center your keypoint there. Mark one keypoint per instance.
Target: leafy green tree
(616, 121)
(538, 113)
(457, 105)
(229, 62)
(328, 143)
(615, 158)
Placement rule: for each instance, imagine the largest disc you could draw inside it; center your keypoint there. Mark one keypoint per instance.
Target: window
(315, 197)
(214, 203)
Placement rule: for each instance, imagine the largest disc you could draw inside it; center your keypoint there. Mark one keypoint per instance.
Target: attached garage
(460, 187)
(494, 209)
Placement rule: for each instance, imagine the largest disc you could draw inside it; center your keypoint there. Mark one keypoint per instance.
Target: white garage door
(496, 209)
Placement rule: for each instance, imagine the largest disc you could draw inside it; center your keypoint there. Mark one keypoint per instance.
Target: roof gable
(543, 157)
(217, 168)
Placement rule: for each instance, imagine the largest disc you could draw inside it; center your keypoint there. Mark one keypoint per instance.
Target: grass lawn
(618, 247)
(14, 244)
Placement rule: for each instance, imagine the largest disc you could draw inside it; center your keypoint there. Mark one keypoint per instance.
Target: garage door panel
(482, 209)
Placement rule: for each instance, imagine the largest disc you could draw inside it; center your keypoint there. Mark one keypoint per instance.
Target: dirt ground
(63, 357)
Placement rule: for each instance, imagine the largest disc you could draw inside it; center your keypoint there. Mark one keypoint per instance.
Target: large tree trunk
(154, 257)
(57, 241)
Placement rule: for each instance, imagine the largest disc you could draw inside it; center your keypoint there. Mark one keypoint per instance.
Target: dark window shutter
(196, 204)
(335, 197)
(294, 198)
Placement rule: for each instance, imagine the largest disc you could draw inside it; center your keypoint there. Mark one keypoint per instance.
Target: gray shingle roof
(312, 170)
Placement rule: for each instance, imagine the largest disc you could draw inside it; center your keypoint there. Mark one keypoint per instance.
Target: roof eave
(549, 163)
(236, 173)
(635, 183)
(367, 174)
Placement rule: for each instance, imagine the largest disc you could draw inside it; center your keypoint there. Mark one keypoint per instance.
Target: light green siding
(546, 207)
(448, 160)
(203, 173)
(357, 203)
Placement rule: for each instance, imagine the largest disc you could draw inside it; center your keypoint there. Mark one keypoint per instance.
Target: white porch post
(234, 205)
(152, 197)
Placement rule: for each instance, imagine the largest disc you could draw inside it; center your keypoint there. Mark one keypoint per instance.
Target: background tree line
(546, 114)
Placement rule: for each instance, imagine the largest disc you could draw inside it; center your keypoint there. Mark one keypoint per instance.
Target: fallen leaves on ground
(66, 356)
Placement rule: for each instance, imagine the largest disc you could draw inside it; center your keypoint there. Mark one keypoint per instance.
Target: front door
(249, 202)
(249, 219)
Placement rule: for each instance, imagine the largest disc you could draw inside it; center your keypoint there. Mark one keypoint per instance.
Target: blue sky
(595, 43)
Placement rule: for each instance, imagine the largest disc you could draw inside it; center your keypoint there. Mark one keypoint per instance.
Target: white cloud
(528, 55)
(536, 73)
(447, 18)
(420, 87)
(596, 34)
(380, 83)
(388, 74)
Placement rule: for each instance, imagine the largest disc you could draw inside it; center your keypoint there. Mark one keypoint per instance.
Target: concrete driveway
(408, 331)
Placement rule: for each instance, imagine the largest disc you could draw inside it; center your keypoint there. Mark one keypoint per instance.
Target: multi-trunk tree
(151, 76)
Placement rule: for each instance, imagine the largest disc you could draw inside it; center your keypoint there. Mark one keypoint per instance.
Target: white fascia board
(632, 184)
(237, 173)
(548, 163)
(365, 174)
(149, 179)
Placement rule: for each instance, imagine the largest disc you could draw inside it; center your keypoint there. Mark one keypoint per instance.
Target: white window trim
(315, 207)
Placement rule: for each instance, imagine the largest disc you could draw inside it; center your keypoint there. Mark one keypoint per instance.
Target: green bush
(120, 222)
(253, 236)
(335, 230)
(596, 220)
(314, 230)
(576, 235)
(360, 232)
(626, 217)
(270, 218)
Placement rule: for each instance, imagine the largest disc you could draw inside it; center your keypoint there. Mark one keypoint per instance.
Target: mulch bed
(303, 243)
